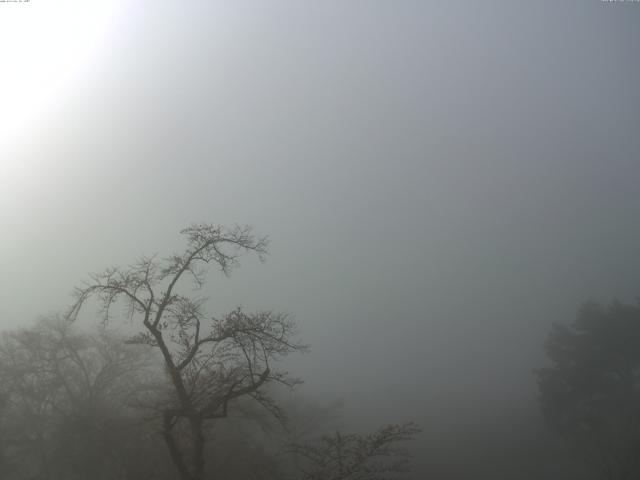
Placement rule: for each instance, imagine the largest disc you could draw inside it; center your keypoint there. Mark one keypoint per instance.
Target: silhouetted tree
(376, 456)
(210, 362)
(591, 392)
(64, 396)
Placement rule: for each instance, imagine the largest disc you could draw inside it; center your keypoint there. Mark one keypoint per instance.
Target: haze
(440, 182)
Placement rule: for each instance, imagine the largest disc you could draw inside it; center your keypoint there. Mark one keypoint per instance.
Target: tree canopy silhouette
(119, 404)
(211, 361)
(591, 392)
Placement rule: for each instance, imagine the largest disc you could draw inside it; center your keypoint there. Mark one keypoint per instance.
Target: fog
(440, 183)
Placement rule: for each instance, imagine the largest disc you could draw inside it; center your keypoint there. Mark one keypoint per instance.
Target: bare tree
(210, 362)
(63, 395)
(376, 456)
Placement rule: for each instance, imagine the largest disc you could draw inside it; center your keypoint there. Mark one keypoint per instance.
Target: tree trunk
(197, 447)
(174, 451)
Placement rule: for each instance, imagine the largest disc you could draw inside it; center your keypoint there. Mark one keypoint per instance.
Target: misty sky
(440, 180)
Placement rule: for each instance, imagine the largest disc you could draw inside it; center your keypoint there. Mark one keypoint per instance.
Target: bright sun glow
(45, 45)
